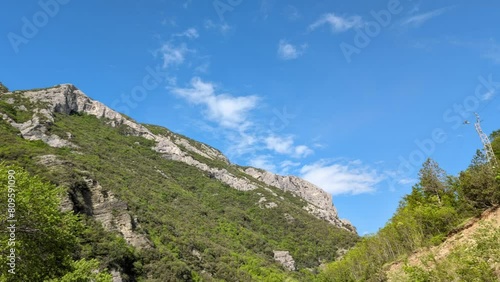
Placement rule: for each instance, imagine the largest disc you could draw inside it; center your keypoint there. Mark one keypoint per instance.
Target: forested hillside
(438, 206)
(92, 195)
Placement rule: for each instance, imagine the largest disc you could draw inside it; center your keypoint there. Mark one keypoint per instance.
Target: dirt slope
(457, 238)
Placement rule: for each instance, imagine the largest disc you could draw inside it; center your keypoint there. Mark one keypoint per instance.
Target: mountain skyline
(326, 91)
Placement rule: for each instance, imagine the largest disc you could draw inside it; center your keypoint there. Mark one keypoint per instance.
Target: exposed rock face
(285, 259)
(67, 99)
(319, 202)
(113, 214)
(89, 197)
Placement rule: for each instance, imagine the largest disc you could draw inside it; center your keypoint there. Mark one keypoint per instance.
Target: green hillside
(438, 207)
(95, 200)
(188, 226)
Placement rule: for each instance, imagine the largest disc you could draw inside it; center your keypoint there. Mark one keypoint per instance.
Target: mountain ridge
(159, 206)
(68, 99)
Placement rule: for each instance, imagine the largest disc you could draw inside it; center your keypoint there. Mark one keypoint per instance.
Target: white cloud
(190, 33)
(418, 20)
(282, 145)
(287, 51)
(342, 178)
(228, 111)
(302, 151)
(241, 142)
(338, 23)
(173, 55)
(285, 146)
(263, 162)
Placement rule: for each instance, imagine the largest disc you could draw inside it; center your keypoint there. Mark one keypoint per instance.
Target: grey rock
(116, 276)
(67, 99)
(319, 202)
(285, 259)
(20, 108)
(99, 203)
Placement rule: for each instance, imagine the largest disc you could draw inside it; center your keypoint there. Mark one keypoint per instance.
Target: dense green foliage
(437, 205)
(200, 228)
(44, 240)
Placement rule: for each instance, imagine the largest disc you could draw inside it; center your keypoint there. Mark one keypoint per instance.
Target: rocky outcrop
(89, 197)
(35, 129)
(67, 99)
(285, 259)
(204, 151)
(319, 202)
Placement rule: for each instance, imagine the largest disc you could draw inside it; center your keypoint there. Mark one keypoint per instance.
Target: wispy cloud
(222, 28)
(419, 19)
(285, 146)
(287, 51)
(190, 33)
(342, 177)
(280, 145)
(302, 151)
(228, 116)
(263, 162)
(338, 23)
(172, 54)
(226, 110)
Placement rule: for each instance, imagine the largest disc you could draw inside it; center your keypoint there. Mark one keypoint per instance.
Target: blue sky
(350, 95)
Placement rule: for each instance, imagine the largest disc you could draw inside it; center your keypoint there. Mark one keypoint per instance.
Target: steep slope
(189, 212)
(472, 237)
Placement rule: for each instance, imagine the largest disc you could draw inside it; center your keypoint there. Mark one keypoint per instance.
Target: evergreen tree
(479, 184)
(433, 179)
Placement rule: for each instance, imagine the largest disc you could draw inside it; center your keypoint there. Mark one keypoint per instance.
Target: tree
(433, 179)
(479, 184)
(42, 238)
(83, 271)
(494, 135)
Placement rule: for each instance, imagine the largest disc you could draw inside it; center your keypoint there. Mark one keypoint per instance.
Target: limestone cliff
(319, 202)
(67, 99)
